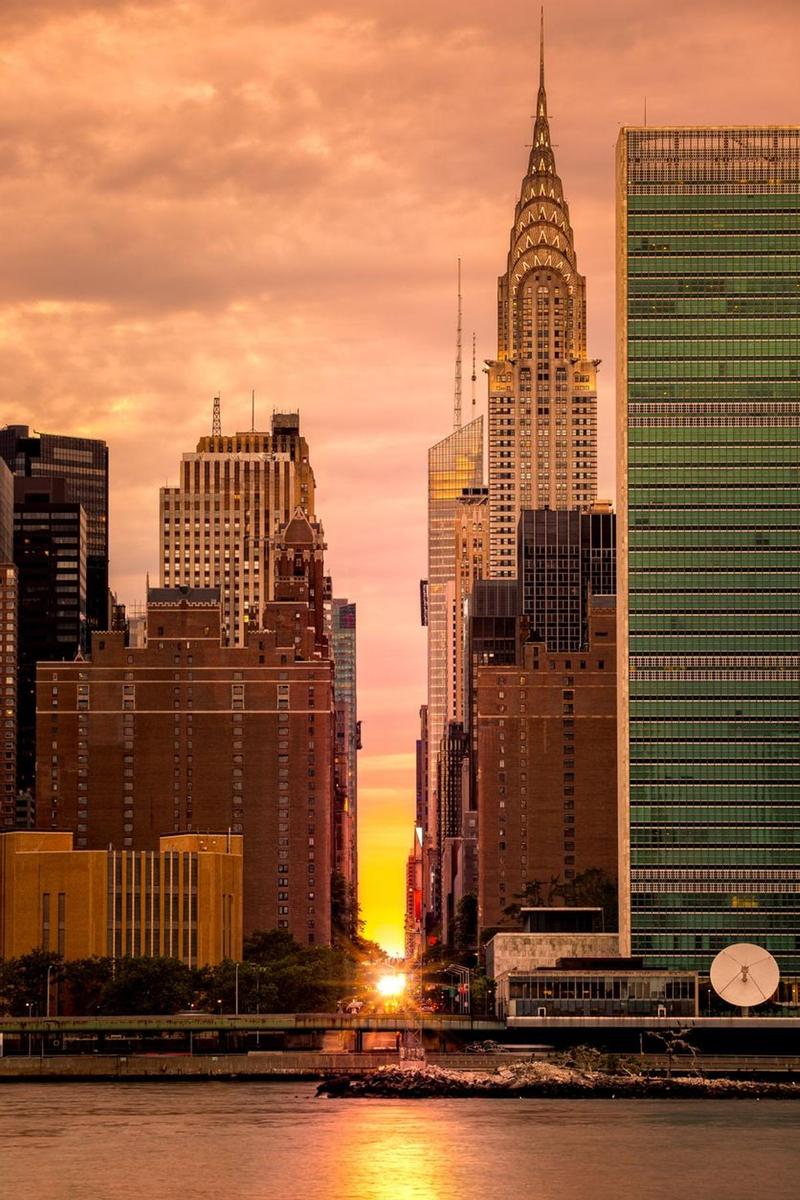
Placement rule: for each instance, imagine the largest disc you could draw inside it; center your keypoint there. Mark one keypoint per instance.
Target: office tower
(471, 564)
(8, 651)
(348, 741)
(421, 784)
(50, 553)
(562, 558)
(182, 900)
(6, 514)
(83, 465)
(219, 524)
(8, 694)
(413, 926)
(709, 510)
(452, 791)
(542, 385)
(546, 773)
(455, 463)
(455, 821)
(189, 734)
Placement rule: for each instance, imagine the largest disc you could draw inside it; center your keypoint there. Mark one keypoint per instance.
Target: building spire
(541, 51)
(457, 396)
(474, 376)
(541, 127)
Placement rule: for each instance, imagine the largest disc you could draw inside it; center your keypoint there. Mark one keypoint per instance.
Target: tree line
(276, 975)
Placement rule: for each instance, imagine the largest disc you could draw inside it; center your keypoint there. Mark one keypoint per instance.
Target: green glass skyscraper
(709, 540)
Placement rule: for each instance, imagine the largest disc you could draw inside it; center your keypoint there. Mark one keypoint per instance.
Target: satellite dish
(745, 975)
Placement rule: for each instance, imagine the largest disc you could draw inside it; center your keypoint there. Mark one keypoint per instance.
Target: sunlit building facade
(542, 384)
(455, 463)
(709, 511)
(219, 525)
(181, 899)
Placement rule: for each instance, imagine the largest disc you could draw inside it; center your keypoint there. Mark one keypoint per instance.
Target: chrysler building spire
(542, 390)
(541, 128)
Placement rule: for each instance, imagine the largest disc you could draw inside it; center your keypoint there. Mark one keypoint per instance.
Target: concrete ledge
(257, 1065)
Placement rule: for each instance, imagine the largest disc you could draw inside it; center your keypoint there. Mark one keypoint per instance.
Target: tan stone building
(188, 734)
(546, 768)
(219, 525)
(183, 900)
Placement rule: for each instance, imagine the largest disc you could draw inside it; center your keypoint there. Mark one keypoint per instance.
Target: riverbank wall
(74, 1068)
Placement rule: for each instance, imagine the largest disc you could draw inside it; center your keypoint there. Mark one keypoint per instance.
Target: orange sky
(198, 195)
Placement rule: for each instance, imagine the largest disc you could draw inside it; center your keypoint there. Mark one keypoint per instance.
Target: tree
(23, 982)
(465, 933)
(148, 985)
(86, 980)
(302, 978)
(532, 896)
(593, 888)
(216, 988)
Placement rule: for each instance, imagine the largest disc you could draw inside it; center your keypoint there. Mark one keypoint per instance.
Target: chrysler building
(542, 385)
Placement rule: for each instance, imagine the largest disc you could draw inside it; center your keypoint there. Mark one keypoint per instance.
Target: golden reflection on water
(391, 1153)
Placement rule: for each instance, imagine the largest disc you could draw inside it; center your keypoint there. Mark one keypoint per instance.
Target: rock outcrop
(534, 1079)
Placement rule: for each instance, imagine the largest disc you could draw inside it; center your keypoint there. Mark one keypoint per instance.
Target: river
(259, 1141)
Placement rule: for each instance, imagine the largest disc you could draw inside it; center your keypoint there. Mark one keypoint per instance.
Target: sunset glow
(201, 198)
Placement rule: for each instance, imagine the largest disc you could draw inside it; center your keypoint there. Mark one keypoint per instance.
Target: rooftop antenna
(253, 410)
(216, 419)
(645, 112)
(541, 47)
(457, 398)
(474, 376)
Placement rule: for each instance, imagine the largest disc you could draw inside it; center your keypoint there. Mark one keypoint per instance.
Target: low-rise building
(593, 988)
(182, 901)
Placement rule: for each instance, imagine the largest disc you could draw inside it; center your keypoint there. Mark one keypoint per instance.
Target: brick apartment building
(190, 734)
(547, 767)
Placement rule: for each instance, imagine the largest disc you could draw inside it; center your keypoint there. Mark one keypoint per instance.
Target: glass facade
(454, 464)
(601, 993)
(709, 225)
(562, 559)
(83, 465)
(343, 646)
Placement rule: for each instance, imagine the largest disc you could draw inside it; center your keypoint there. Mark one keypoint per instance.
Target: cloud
(199, 196)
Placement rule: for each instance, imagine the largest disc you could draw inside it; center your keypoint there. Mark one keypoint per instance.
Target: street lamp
(236, 989)
(47, 998)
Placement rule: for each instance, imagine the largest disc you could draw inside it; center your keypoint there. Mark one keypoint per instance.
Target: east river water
(247, 1141)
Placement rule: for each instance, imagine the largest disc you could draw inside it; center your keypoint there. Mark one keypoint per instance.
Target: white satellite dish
(745, 975)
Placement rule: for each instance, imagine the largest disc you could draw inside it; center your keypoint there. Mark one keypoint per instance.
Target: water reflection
(389, 1153)
(232, 1141)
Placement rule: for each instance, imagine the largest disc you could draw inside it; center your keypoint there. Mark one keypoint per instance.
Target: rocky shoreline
(537, 1080)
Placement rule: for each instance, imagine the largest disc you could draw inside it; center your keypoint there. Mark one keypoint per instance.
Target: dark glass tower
(50, 538)
(562, 558)
(83, 465)
(709, 424)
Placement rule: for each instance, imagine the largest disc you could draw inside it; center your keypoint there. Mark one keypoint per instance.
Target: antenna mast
(216, 419)
(253, 410)
(457, 398)
(474, 376)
